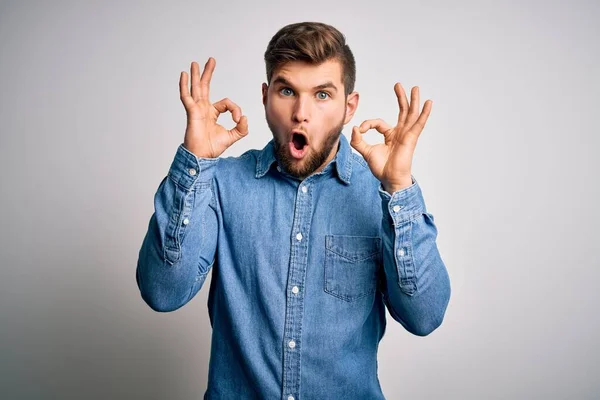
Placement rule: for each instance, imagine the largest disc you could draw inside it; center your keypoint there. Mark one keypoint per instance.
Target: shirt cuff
(403, 204)
(186, 168)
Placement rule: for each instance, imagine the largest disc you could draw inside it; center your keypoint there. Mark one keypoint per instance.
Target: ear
(351, 106)
(265, 89)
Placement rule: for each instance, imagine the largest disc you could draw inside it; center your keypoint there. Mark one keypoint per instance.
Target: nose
(301, 112)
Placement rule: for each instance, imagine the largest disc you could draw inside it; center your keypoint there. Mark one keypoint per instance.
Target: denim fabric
(301, 270)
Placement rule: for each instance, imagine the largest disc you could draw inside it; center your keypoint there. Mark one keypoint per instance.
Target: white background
(90, 119)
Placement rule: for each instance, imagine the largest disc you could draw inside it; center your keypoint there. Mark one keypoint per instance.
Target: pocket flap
(353, 248)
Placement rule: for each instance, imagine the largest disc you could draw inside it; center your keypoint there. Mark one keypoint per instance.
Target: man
(308, 241)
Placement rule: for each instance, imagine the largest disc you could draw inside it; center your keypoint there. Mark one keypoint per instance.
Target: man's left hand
(391, 161)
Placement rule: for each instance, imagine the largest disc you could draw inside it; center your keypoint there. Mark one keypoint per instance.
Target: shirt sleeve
(417, 286)
(180, 244)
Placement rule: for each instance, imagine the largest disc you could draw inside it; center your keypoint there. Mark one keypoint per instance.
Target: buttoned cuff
(403, 204)
(186, 169)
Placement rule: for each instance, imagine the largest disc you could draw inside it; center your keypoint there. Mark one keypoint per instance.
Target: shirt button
(295, 290)
(186, 221)
(396, 208)
(304, 189)
(299, 236)
(290, 397)
(292, 344)
(401, 252)
(192, 171)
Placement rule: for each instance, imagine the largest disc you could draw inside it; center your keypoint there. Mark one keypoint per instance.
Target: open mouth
(298, 144)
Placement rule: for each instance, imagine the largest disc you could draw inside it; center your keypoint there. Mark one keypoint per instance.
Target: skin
(391, 161)
(203, 136)
(299, 103)
(309, 98)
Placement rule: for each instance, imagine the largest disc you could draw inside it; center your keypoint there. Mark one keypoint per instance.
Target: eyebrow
(282, 80)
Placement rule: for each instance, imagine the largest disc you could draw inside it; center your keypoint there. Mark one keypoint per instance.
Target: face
(306, 109)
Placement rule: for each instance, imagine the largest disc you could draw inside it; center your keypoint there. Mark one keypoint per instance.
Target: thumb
(358, 142)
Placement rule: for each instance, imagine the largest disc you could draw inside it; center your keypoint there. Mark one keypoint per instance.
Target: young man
(308, 241)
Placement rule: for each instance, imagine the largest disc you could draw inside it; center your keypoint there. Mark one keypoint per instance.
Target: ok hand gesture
(390, 162)
(203, 136)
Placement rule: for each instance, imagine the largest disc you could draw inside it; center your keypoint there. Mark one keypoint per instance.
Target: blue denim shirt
(302, 270)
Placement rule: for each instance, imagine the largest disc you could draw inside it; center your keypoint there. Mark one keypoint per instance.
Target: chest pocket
(351, 265)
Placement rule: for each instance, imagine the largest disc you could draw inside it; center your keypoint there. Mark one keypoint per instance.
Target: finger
(380, 125)
(195, 73)
(357, 141)
(209, 67)
(241, 129)
(402, 103)
(228, 105)
(413, 111)
(420, 123)
(184, 92)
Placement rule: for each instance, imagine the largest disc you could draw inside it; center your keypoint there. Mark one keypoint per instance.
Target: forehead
(304, 74)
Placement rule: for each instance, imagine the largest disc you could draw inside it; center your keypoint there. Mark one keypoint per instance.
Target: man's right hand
(203, 136)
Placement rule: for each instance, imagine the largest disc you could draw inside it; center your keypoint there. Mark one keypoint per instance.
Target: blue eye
(323, 98)
(282, 91)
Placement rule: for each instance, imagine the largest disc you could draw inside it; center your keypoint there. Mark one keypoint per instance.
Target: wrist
(391, 188)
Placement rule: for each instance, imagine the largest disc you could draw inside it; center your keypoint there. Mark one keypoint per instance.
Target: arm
(416, 290)
(417, 287)
(180, 245)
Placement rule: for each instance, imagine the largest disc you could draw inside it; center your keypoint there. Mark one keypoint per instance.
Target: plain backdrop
(90, 119)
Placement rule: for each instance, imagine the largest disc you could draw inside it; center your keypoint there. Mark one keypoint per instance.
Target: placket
(292, 342)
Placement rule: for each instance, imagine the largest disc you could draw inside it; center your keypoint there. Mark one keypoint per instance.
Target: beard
(315, 157)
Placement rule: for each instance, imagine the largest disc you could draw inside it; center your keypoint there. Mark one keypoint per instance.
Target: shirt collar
(342, 160)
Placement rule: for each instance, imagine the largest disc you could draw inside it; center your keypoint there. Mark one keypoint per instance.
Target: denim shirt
(302, 270)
